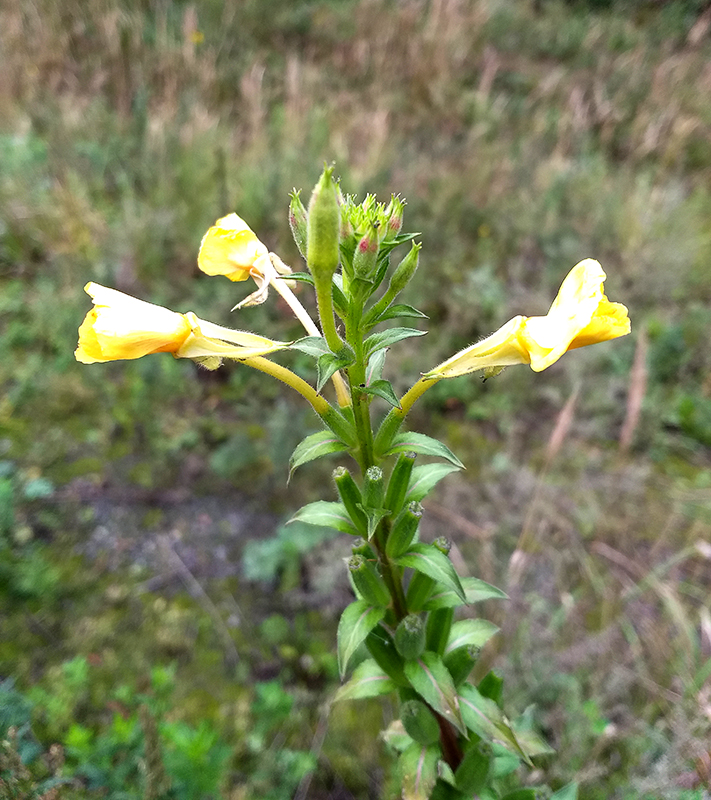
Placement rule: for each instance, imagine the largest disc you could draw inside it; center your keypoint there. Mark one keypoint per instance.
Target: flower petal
(230, 248)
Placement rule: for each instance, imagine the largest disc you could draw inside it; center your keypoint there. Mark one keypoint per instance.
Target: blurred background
(163, 634)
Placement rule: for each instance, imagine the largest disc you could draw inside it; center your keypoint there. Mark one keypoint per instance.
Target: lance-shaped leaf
(424, 478)
(374, 370)
(412, 442)
(384, 389)
(326, 514)
(467, 632)
(418, 771)
(318, 444)
(368, 680)
(486, 719)
(327, 365)
(400, 310)
(475, 590)
(311, 345)
(568, 792)
(426, 558)
(387, 338)
(532, 744)
(432, 681)
(357, 621)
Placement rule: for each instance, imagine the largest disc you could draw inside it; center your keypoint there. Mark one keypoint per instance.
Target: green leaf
(318, 444)
(410, 441)
(432, 681)
(418, 771)
(532, 744)
(302, 277)
(467, 632)
(568, 792)
(400, 310)
(425, 477)
(475, 590)
(374, 516)
(312, 346)
(374, 370)
(521, 794)
(487, 720)
(387, 338)
(426, 558)
(382, 389)
(326, 514)
(340, 303)
(368, 680)
(326, 365)
(357, 621)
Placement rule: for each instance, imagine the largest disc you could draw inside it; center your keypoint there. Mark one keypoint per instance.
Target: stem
(392, 422)
(324, 298)
(451, 750)
(391, 574)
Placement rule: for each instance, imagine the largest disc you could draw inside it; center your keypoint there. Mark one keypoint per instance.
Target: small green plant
(453, 739)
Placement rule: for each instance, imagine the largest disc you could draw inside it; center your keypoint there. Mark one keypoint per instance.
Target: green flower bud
(365, 257)
(410, 637)
(362, 548)
(403, 531)
(439, 624)
(419, 722)
(298, 221)
(443, 544)
(394, 213)
(460, 662)
(367, 582)
(323, 229)
(382, 648)
(373, 491)
(351, 499)
(472, 774)
(404, 271)
(399, 482)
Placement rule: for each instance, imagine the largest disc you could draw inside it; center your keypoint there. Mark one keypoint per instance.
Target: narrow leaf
(467, 632)
(311, 345)
(357, 621)
(486, 719)
(326, 365)
(318, 444)
(303, 277)
(418, 771)
(425, 477)
(400, 310)
(387, 338)
(368, 680)
(475, 590)
(532, 744)
(382, 389)
(326, 514)
(374, 370)
(432, 681)
(410, 441)
(426, 558)
(374, 516)
(568, 792)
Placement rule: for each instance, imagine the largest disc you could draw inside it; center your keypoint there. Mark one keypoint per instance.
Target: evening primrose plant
(402, 635)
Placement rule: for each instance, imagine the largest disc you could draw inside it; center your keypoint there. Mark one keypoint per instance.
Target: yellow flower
(232, 249)
(122, 327)
(580, 315)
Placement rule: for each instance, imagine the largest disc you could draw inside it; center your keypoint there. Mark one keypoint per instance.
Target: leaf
(568, 792)
(326, 514)
(418, 771)
(425, 477)
(368, 680)
(357, 621)
(318, 444)
(312, 346)
(400, 310)
(532, 744)
(303, 277)
(467, 632)
(382, 389)
(374, 370)
(374, 516)
(475, 590)
(410, 441)
(486, 719)
(387, 338)
(326, 365)
(340, 303)
(432, 681)
(428, 559)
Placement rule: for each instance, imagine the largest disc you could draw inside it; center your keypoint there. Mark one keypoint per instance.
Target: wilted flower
(123, 327)
(580, 315)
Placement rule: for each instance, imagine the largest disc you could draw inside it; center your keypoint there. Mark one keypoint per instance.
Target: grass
(525, 137)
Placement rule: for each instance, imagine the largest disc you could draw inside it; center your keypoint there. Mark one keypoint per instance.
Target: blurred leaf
(357, 621)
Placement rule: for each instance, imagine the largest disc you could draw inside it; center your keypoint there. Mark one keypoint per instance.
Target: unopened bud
(419, 722)
(362, 548)
(323, 228)
(365, 257)
(404, 530)
(410, 637)
(298, 221)
(367, 581)
(351, 498)
(399, 482)
(443, 544)
(405, 270)
(395, 213)
(373, 491)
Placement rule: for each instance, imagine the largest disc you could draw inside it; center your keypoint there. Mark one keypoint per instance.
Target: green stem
(392, 574)
(392, 422)
(324, 299)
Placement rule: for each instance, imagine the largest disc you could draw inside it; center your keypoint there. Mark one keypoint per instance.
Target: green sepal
(426, 558)
(439, 624)
(425, 477)
(468, 632)
(368, 680)
(475, 590)
(381, 388)
(326, 514)
(383, 339)
(417, 767)
(419, 722)
(396, 311)
(357, 621)
(410, 441)
(430, 679)
(473, 773)
(314, 446)
(381, 647)
(410, 637)
(328, 364)
(399, 482)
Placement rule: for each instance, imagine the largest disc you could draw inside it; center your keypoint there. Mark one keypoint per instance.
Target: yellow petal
(230, 248)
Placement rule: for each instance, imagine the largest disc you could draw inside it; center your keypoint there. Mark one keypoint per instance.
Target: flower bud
(419, 722)
(399, 482)
(405, 270)
(362, 548)
(373, 491)
(443, 544)
(323, 228)
(473, 772)
(351, 499)
(419, 590)
(298, 221)
(382, 648)
(367, 582)
(410, 637)
(460, 662)
(365, 257)
(395, 213)
(403, 531)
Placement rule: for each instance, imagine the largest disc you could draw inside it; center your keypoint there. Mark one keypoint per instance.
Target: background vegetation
(144, 652)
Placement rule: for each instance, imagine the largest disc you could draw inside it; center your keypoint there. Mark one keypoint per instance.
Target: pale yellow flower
(580, 315)
(231, 248)
(123, 327)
